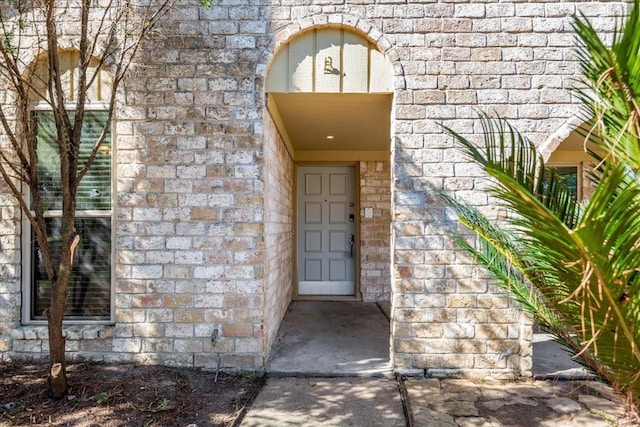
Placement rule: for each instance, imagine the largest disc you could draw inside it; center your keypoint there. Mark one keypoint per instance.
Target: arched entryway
(565, 150)
(329, 96)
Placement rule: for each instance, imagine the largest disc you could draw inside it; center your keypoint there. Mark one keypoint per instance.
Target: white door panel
(326, 230)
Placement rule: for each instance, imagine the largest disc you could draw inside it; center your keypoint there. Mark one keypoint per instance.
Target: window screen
(94, 192)
(89, 291)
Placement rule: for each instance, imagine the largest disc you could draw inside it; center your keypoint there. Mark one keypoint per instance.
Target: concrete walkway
(330, 367)
(552, 361)
(428, 402)
(332, 338)
(366, 402)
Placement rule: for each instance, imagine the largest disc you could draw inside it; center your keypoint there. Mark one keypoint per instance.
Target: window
(572, 178)
(89, 291)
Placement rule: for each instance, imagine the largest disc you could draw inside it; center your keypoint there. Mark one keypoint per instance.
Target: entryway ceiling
(355, 121)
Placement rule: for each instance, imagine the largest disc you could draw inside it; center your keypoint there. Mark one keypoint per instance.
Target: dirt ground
(125, 395)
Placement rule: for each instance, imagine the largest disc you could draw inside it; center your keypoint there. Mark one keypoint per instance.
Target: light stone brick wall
(375, 233)
(511, 59)
(279, 236)
(189, 232)
(191, 219)
(191, 227)
(10, 295)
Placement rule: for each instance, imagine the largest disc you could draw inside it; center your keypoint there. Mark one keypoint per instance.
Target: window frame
(579, 181)
(26, 233)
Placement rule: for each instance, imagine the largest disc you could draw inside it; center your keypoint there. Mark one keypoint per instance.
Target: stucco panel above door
(329, 60)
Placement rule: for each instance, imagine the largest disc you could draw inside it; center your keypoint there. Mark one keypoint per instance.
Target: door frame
(357, 296)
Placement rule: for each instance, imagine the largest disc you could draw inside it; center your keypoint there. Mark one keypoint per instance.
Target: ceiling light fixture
(330, 136)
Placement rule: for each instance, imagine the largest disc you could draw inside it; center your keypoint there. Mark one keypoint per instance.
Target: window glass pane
(94, 192)
(570, 177)
(89, 291)
(48, 160)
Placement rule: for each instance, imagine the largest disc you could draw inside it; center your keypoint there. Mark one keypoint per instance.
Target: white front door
(326, 230)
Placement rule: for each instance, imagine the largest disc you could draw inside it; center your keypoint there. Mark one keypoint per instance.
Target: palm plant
(572, 265)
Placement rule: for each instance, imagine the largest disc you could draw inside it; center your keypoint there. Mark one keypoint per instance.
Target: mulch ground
(125, 395)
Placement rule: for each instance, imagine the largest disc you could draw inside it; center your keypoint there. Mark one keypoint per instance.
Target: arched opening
(329, 95)
(98, 77)
(567, 151)
(571, 157)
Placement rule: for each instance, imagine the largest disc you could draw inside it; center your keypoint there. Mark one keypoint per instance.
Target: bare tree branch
(106, 37)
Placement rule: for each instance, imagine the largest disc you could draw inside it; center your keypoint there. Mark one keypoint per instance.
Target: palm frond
(565, 256)
(507, 153)
(611, 85)
(575, 267)
(498, 253)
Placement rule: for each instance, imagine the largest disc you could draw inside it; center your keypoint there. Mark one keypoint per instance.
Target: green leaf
(571, 266)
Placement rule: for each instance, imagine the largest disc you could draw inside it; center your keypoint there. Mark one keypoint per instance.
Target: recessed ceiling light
(330, 136)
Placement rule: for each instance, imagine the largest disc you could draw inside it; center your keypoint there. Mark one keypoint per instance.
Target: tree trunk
(57, 357)
(57, 307)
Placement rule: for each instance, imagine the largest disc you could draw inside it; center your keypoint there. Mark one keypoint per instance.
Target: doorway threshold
(332, 338)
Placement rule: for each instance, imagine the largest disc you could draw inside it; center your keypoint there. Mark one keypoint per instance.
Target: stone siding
(191, 213)
(279, 236)
(375, 233)
(192, 232)
(509, 59)
(10, 294)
